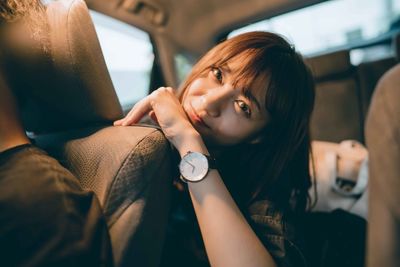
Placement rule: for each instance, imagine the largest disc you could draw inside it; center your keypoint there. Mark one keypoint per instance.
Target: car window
(129, 56)
(183, 66)
(331, 24)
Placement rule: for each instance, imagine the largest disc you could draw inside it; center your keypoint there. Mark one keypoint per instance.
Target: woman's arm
(228, 238)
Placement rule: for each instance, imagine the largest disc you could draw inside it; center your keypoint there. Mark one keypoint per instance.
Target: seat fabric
(129, 169)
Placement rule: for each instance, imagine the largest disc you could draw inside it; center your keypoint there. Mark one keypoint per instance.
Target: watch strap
(212, 162)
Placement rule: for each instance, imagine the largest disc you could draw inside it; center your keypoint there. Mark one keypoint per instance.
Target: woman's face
(221, 113)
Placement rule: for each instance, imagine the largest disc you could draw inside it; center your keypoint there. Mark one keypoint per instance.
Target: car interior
(68, 101)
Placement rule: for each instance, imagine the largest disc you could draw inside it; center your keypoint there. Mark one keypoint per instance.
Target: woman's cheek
(198, 87)
(225, 132)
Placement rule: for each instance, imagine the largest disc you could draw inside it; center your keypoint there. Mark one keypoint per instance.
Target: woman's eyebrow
(226, 68)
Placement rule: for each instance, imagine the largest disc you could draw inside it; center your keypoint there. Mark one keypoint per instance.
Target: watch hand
(190, 165)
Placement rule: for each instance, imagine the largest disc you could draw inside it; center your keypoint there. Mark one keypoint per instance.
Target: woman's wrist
(190, 141)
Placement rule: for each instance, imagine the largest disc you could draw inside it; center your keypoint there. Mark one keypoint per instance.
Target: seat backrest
(336, 114)
(382, 136)
(61, 79)
(369, 74)
(130, 169)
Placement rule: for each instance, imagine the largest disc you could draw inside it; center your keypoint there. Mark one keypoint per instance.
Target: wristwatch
(194, 166)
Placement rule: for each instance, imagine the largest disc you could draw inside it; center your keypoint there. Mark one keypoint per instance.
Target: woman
(247, 103)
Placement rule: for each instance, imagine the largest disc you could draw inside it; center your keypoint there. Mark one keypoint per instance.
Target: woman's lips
(196, 119)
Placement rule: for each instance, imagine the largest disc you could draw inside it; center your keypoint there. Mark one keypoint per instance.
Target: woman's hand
(164, 107)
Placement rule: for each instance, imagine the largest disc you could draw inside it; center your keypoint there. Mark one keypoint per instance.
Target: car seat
(336, 116)
(68, 102)
(383, 141)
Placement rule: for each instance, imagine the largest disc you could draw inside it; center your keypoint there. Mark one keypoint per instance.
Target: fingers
(117, 122)
(169, 89)
(144, 107)
(139, 110)
(164, 103)
(153, 116)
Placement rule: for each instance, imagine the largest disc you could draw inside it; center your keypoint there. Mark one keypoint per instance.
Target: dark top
(276, 230)
(278, 233)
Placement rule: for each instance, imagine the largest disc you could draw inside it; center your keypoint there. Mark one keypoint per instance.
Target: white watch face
(194, 166)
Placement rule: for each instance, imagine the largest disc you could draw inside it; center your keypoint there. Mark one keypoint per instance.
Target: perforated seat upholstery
(129, 169)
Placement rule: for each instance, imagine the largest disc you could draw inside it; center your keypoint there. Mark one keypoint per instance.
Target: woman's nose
(217, 99)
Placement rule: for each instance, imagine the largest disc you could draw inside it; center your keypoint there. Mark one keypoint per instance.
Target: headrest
(328, 65)
(59, 75)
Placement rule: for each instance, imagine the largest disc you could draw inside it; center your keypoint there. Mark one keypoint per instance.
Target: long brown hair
(277, 167)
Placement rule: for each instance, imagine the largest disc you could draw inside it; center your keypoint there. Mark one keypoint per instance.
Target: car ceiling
(191, 26)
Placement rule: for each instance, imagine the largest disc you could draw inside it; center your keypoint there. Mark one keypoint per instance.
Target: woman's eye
(244, 107)
(217, 74)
